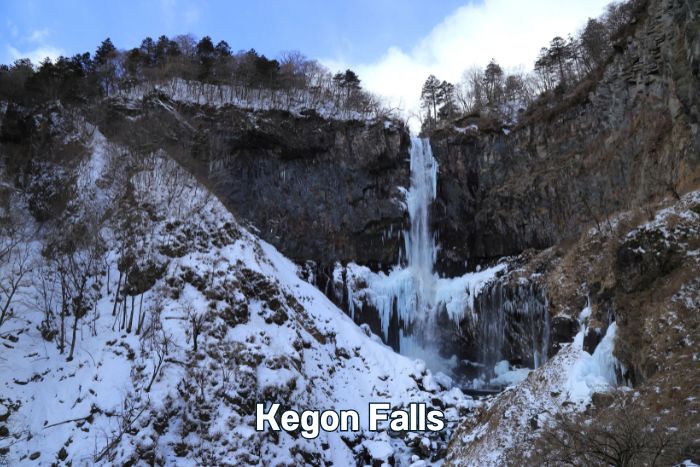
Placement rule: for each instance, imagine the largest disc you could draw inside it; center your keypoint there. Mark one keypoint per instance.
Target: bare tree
(16, 264)
(161, 345)
(621, 436)
(196, 320)
(469, 91)
(132, 409)
(76, 258)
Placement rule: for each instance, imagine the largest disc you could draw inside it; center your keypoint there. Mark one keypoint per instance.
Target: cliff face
(319, 190)
(606, 188)
(613, 144)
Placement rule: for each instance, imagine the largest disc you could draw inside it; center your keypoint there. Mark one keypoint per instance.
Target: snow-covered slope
(141, 393)
(507, 424)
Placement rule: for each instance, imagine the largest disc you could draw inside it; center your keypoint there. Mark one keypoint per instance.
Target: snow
(468, 129)
(379, 449)
(507, 376)
(295, 101)
(297, 361)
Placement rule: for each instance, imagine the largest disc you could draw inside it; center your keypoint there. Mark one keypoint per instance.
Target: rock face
(612, 144)
(319, 190)
(509, 321)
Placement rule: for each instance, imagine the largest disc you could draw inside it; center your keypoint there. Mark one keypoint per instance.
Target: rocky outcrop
(614, 143)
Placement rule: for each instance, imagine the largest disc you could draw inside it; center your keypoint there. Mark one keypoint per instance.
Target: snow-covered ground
(263, 335)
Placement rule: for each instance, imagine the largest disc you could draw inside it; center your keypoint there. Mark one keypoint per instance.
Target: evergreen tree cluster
(438, 99)
(110, 71)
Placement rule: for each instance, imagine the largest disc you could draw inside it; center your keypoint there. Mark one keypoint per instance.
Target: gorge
(189, 238)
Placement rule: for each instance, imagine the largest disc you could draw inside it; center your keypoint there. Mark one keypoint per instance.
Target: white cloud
(32, 46)
(36, 55)
(511, 31)
(38, 35)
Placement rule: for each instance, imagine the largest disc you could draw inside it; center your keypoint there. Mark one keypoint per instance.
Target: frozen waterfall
(413, 292)
(420, 242)
(413, 296)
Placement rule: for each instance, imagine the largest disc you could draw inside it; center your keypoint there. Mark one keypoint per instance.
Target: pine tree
(148, 51)
(351, 80)
(493, 78)
(165, 49)
(104, 65)
(205, 54)
(594, 42)
(223, 49)
(205, 47)
(558, 54)
(347, 82)
(431, 96)
(447, 96)
(104, 53)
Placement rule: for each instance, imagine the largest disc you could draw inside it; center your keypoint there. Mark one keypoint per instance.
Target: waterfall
(420, 242)
(421, 251)
(513, 324)
(412, 293)
(413, 297)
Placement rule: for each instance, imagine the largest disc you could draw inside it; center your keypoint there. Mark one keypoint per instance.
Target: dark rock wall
(510, 321)
(621, 141)
(319, 190)
(337, 201)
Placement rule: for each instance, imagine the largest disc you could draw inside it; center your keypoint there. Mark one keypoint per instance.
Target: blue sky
(393, 44)
(356, 31)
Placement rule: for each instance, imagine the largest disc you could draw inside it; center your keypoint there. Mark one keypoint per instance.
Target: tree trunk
(131, 315)
(62, 338)
(116, 296)
(123, 314)
(156, 370)
(13, 289)
(4, 311)
(95, 317)
(72, 340)
(195, 334)
(140, 320)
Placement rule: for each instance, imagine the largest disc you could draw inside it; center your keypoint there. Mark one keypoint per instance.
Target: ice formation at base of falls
(512, 319)
(401, 292)
(594, 372)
